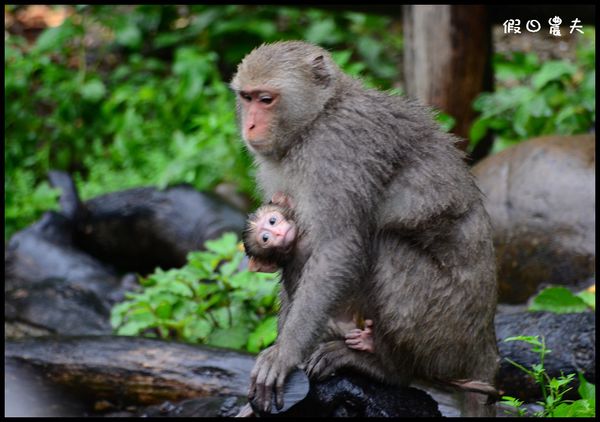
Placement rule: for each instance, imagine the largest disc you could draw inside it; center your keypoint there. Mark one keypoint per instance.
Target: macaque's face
(273, 230)
(257, 108)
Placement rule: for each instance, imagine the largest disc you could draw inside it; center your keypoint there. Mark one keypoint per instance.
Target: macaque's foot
(362, 340)
(326, 359)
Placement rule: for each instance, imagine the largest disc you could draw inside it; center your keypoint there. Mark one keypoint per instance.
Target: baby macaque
(271, 237)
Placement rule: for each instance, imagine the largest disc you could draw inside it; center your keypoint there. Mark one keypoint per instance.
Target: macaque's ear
(281, 199)
(321, 71)
(260, 266)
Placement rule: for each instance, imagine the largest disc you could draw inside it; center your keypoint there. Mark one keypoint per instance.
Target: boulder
(540, 195)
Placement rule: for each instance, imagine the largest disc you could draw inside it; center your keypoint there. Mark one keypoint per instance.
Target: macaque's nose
(278, 231)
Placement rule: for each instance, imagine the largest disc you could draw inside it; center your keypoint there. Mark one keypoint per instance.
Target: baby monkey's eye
(272, 220)
(265, 237)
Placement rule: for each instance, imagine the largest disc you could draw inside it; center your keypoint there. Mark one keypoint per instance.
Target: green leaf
(552, 70)
(528, 339)
(224, 246)
(589, 298)
(478, 130)
(322, 32)
(93, 90)
(231, 267)
(263, 336)
(163, 310)
(446, 121)
(197, 330)
(559, 300)
(131, 328)
(129, 36)
(586, 389)
(180, 288)
(53, 39)
(233, 338)
(579, 408)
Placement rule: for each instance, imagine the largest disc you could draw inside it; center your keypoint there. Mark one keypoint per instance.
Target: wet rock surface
(570, 337)
(352, 395)
(143, 228)
(540, 195)
(53, 286)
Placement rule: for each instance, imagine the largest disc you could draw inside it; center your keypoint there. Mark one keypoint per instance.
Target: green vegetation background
(124, 96)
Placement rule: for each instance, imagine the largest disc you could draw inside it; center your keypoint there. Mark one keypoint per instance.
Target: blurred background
(124, 96)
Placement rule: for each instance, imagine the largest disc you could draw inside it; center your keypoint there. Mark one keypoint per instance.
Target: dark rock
(52, 287)
(349, 394)
(541, 199)
(59, 307)
(143, 228)
(45, 250)
(219, 406)
(570, 337)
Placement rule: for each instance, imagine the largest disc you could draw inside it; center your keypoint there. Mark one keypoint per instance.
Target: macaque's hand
(261, 266)
(358, 339)
(281, 199)
(270, 371)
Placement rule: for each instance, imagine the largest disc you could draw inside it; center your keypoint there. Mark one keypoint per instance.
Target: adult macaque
(392, 218)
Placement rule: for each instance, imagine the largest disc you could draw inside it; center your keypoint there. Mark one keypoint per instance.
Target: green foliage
(533, 99)
(561, 300)
(209, 300)
(131, 95)
(553, 389)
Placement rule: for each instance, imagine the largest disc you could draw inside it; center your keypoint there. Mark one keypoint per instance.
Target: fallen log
(207, 381)
(135, 370)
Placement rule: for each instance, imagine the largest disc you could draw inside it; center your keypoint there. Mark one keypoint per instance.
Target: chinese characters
(513, 26)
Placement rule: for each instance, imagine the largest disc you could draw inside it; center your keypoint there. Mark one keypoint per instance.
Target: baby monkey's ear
(281, 199)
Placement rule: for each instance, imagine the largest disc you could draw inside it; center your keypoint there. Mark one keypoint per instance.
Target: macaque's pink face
(274, 231)
(258, 111)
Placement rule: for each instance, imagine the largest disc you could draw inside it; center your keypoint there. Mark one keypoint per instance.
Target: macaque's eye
(266, 99)
(272, 220)
(244, 96)
(265, 237)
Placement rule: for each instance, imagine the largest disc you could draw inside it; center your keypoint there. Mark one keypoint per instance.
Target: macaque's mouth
(258, 144)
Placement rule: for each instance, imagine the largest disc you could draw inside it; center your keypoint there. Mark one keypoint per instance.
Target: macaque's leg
(476, 404)
(476, 386)
(362, 340)
(333, 355)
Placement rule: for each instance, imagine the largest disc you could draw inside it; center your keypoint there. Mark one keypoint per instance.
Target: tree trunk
(447, 58)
